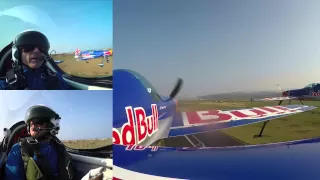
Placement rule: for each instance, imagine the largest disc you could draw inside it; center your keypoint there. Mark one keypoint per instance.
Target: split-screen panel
(56, 79)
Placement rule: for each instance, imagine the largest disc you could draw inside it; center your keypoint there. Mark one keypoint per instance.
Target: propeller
(279, 88)
(176, 88)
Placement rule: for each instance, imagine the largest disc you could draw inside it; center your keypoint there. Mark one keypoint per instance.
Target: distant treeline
(238, 96)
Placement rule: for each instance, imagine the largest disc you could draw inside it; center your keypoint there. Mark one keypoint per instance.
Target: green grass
(84, 68)
(87, 144)
(293, 127)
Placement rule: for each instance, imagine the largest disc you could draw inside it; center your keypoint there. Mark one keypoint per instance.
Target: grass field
(87, 144)
(294, 127)
(84, 68)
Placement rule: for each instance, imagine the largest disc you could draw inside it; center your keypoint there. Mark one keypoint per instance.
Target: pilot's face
(35, 133)
(32, 56)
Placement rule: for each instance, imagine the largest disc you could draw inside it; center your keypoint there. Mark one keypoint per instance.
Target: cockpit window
(98, 66)
(151, 90)
(312, 85)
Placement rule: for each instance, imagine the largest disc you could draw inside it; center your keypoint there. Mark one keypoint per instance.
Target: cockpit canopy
(151, 90)
(312, 85)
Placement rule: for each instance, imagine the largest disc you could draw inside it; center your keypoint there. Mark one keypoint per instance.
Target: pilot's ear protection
(15, 52)
(28, 129)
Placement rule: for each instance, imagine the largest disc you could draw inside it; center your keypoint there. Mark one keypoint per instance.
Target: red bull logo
(138, 128)
(107, 53)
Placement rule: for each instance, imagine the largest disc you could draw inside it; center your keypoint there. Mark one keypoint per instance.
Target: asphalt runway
(208, 139)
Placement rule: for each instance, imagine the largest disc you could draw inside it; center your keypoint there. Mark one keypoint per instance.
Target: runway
(208, 139)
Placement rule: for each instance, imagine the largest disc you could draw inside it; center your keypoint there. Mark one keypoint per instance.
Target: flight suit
(14, 169)
(38, 161)
(40, 79)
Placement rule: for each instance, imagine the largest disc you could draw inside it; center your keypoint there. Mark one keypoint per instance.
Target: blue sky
(67, 24)
(84, 114)
(219, 46)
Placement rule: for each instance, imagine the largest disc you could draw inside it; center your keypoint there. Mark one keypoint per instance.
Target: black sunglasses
(40, 121)
(30, 48)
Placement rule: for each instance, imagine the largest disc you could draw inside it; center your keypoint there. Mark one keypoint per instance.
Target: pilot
(29, 55)
(41, 154)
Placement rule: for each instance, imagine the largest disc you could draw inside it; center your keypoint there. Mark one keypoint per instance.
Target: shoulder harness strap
(15, 79)
(50, 79)
(30, 147)
(65, 160)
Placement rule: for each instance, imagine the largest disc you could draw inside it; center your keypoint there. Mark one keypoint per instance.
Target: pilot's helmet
(28, 40)
(43, 114)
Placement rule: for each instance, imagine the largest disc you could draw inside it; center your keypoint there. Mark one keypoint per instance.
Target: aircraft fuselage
(141, 116)
(306, 94)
